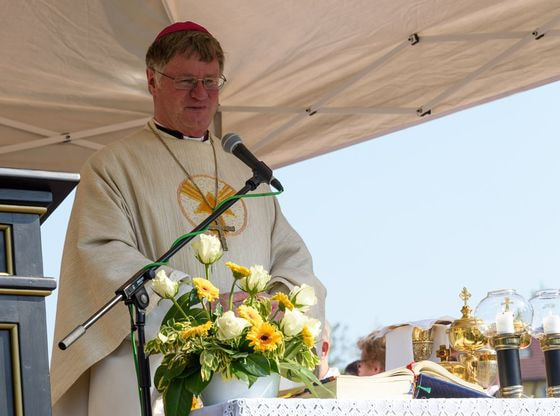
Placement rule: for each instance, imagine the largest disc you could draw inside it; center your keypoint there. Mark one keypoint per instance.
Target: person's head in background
(352, 368)
(372, 349)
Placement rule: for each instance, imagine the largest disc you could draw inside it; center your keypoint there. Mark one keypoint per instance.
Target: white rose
(208, 249)
(314, 326)
(230, 326)
(303, 297)
(164, 286)
(256, 281)
(292, 323)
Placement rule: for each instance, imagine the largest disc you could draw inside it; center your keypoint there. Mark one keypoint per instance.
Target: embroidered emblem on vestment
(196, 209)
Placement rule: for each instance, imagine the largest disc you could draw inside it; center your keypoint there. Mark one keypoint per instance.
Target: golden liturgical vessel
(422, 343)
(478, 361)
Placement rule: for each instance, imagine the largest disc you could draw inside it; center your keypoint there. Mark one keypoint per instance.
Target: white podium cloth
(378, 407)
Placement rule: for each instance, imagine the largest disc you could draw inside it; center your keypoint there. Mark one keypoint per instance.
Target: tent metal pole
(26, 127)
(326, 98)
(531, 36)
(366, 110)
(472, 37)
(75, 138)
(352, 80)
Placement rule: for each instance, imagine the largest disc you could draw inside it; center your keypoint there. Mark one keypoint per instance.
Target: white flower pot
(220, 390)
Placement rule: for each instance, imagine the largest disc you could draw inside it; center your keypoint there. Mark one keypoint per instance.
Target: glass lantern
(546, 317)
(505, 312)
(546, 328)
(506, 319)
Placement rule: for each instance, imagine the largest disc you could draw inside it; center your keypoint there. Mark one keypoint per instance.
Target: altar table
(380, 407)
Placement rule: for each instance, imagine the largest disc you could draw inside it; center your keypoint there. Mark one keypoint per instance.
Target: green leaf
(153, 346)
(200, 316)
(231, 351)
(195, 384)
(208, 359)
(292, 349)
(274, 366)
(209, 364)
(175, 369)
(190, 370)
(238, 355)
(160, 379)
(264, 306)
(218, 310)
(177, 400)
(256, 364)
(174, 312)
(240, 374)
(252, 379)
(296, 372)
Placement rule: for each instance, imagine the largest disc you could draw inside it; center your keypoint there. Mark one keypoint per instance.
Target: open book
(399, 383)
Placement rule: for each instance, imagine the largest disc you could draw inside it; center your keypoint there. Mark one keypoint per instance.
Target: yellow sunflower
(308, 338)
(205, 289)
(284, 300)
(249, 313)
(264, 337)
(238, 271)
(199, 330)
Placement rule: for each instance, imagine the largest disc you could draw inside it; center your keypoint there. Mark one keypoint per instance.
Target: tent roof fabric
(304, 78)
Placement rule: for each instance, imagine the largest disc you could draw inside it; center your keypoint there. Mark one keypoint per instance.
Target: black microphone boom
(233, 144)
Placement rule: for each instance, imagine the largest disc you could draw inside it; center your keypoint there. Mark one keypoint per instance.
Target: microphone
(232, 143)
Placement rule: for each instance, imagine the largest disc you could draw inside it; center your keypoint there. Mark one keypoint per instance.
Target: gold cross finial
(506, 303)
(465, 295)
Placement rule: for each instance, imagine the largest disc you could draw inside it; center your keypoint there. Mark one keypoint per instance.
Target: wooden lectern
(27, 197)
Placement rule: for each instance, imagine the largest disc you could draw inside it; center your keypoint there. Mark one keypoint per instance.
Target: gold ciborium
(422, 343)
(466, 337)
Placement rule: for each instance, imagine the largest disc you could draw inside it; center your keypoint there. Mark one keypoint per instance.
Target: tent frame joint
(310, 112)
(537, 34)
(414, 39)
(67, 137)
(420, 112)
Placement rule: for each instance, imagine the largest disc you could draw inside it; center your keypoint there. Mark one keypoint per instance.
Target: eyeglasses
(189, 83)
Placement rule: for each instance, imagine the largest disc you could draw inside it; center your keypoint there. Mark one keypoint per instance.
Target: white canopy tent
(304, 77)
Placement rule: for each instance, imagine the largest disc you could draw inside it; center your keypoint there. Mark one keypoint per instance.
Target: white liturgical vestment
(133, 201)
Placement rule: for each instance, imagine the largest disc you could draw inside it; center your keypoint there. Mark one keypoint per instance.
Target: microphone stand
(133, 292)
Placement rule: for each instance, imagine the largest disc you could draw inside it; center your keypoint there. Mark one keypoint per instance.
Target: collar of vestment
(177, 134)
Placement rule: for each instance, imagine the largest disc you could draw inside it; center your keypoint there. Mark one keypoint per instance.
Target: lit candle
(504, 323)
(551, 324)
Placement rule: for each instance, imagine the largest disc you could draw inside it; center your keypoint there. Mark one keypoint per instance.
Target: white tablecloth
(378, 407)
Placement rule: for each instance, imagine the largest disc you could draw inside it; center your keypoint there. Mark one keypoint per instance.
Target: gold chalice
(422, 343)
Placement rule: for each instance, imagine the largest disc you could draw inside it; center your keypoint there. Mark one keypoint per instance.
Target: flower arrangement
(199, 338)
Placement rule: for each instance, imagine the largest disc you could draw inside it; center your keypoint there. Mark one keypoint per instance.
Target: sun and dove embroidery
(196, 208)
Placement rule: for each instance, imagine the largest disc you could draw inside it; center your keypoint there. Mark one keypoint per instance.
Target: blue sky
(398, 225)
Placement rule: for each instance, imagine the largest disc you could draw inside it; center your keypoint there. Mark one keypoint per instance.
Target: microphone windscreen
(229, 141)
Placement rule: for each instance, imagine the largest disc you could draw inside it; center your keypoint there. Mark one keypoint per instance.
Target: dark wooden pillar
(26, 200)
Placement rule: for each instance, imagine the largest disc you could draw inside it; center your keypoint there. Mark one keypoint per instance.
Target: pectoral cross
(222, 230)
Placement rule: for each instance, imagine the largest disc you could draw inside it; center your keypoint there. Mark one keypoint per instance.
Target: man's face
(188, 111)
